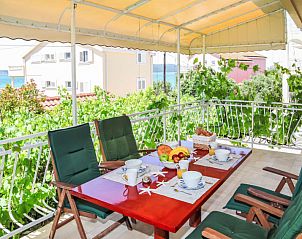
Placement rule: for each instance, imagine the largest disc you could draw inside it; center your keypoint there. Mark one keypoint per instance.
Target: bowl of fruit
(171, 157)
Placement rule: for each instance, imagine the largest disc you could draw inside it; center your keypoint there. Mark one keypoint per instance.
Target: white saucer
(215, 159)
(182, 184)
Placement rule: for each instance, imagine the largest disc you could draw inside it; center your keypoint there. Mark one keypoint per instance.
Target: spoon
(178, 191)
(214, 162)
(172, 186)
(208, 182)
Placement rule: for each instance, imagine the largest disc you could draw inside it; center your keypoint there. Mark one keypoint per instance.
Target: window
(81, 86)
(48, 58)
(50, 84)
(86, 56)
(141, 83)
(68, 84)
(141, 57)
(213, 63)
(65, 56)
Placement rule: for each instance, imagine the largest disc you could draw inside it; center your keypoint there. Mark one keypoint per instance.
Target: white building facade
(118, 71)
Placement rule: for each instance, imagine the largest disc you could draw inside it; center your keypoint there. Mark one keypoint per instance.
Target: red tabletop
(165, 214)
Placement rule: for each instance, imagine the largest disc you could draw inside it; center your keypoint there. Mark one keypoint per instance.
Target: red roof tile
(51, 102)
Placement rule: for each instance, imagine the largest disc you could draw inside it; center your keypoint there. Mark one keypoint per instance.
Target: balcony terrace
(232, 121)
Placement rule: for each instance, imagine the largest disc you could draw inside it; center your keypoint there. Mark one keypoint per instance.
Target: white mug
(130, 176)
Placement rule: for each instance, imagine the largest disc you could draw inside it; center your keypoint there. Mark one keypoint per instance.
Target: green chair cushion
(290, 225)
(242, 207)
(85, 206)
(74, 154)
(230, 226)
(117, 138)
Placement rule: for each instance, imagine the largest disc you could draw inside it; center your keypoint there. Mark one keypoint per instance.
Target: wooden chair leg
(128, 224)
(82, 213)
(55, 225)
(251, 215)
(290, 184)
(76, 215)
(280, 185)
(133, 220)
(262, 218)
(109, 229)
(61, 224)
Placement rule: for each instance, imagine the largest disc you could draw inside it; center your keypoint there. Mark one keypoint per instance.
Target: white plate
(181, 183)
(231, 157)
(215, 159)
(143, 169)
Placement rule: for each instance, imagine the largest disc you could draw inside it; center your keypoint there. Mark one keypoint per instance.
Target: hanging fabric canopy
(228, 26)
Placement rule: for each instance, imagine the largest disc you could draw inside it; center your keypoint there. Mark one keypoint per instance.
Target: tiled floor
(249, 172)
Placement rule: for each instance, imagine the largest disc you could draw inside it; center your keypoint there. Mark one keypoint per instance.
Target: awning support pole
(73, 64)
(285, 87)
(203, 49)
(178, 83)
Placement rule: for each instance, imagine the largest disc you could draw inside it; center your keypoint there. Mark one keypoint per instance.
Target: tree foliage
(206, 83)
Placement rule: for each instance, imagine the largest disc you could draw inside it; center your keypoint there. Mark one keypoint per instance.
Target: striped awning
(216, 25)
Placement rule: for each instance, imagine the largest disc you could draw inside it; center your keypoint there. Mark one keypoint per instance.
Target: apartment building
(116, 70)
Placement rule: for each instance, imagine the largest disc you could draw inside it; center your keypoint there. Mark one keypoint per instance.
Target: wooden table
(165, 214)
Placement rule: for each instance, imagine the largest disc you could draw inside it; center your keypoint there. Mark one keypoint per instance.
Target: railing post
(2, 166)
(253, 112)
(165, 126)
(202, 112)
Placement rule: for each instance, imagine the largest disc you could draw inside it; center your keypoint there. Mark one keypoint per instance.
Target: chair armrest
(146, 150)
(111, 164)
(62, 185)
(269, 197)
(213, 234)
(258, 204)
(280, 172)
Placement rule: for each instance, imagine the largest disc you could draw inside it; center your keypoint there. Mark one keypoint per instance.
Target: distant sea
(6, 80)
(170, 76)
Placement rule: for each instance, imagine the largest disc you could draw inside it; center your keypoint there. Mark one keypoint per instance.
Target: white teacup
(192, 178)
(222, 154)
(133, 163)
(130, 176)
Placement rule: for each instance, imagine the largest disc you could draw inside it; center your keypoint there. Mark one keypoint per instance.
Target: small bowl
(133, 164)
(192, 178)
(169, 165)
(222, 154)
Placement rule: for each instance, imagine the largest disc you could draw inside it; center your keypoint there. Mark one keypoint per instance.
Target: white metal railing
(25, 168)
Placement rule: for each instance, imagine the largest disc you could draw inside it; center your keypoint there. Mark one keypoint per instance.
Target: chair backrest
(290, 225)
(116, 138)
(298, 187)
(73, 154)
